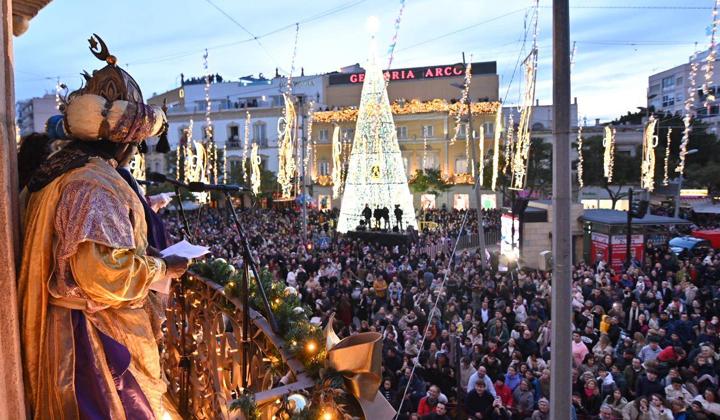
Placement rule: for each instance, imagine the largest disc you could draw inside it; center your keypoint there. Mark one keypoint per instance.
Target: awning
(617, 217)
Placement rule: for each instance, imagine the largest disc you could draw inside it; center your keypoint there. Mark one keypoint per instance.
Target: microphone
(160, 178)
(202, 187)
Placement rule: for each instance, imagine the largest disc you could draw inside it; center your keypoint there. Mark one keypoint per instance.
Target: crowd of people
(463, 342)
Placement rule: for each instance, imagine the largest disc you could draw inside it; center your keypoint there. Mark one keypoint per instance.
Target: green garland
(305, 341)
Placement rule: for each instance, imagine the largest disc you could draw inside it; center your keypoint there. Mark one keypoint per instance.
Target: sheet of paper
(185, 249)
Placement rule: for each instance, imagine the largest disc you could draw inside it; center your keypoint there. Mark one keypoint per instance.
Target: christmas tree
(375, 174)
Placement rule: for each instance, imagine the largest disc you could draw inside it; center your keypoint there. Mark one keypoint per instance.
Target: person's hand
(176, 266)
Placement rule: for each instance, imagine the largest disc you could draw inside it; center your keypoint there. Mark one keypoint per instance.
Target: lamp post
(680, 180)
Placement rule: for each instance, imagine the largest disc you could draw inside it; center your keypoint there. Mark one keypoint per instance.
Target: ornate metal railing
(202, 353)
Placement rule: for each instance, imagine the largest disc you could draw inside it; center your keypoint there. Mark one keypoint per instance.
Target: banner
(619, 249)
(510, 236)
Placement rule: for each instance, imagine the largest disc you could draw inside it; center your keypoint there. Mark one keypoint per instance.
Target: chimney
(537, 102)
(302, 71)
(575, 100)
(597, 121)
(277, 73)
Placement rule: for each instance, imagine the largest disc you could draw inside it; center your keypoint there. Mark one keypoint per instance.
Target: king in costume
(88, 345)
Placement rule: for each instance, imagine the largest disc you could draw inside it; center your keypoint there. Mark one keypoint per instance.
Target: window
(324, 168)
(668, 100)
(461, 166)
(488, 127)
(679, 81)
(233, 132)
(402, 132)
(427, 130)
(260, 133)
(462, 131)
(323, 135)
(431, 161)
(668, 83)
(654, 89)
(348, 134)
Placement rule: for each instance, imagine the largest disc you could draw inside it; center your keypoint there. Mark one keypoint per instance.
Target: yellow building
(427, 139)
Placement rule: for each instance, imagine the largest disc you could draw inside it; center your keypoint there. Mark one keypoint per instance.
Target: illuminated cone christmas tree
(375, 174)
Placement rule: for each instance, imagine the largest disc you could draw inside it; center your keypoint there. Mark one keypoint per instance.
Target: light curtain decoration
(647, 168)
(496, 148)
(580, 156)
(308, 139)
(225, 162)
(666, 179)
(393, 42)
(255, 164)
(463, 102)
(246, 144)
(710, 60)
(481, 163)
(359, 358)
(286, 156)
(522, 144)
(609, 154)
(509, 143)
(467, 150)
(337, 162)
(687, 119)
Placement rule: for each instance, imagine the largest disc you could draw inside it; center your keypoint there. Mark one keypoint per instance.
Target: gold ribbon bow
(359, 357)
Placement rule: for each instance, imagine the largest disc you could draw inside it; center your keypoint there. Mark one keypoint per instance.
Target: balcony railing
(203, 354)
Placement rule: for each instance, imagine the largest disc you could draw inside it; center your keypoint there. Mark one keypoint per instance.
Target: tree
(429, 181)
(376, 174)
(626, 169)
(539, 178)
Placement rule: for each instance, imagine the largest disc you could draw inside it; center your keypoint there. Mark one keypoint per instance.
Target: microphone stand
(184, 362)
(248, 265)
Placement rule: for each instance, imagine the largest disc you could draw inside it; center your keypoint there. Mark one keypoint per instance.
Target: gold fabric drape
(85, 241)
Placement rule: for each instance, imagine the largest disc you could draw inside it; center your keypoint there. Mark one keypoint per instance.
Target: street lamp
(680, 180)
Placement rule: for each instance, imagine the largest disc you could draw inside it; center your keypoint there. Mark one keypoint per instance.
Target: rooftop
(617, 217)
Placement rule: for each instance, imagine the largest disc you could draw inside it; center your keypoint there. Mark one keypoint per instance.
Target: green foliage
(247, 406)
(429, 181)
(539, 177)
(268, 180)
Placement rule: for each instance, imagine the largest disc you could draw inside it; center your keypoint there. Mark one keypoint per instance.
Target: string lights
(580, 156)
(666, 179)
(286, 129)
(609, 153)
(255, 165)
(496, 149)
(463, 101)
(224, 171)
(710, 60)
(413, 106)
(393, 42)
(647, 168)
(509, 143)
(482, 156)
(337, 168)
(425, 148)
(687, 119)
(467, 151)
(246, 144)
(309, 146)
(521, 154)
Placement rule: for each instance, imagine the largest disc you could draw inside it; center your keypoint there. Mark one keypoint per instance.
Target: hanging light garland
(246, 144)
(687, 119)
(522, 145)
(425, 147)
(666, 179)
(647, 168)
(609, 153)
(286, 129)
(481, 163)
(309, 146)
(255, 165)
(496, 148)
(509, 143)
(393, 42)
(337, 165)
(580, 156)
(224, 173)
(289, 86)
(470, 161)
(710, 60)
(463, 102)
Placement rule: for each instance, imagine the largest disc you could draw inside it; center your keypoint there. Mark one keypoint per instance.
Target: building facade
(668, 89)
(32, 114)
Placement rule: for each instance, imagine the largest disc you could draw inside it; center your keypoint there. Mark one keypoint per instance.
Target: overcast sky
(619, 42)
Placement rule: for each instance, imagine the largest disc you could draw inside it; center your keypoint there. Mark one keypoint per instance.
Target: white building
(668, 89)
(32, 114)
(230, 103)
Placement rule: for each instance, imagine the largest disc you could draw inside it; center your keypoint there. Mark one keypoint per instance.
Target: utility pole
(560, 366)
(478, 182)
